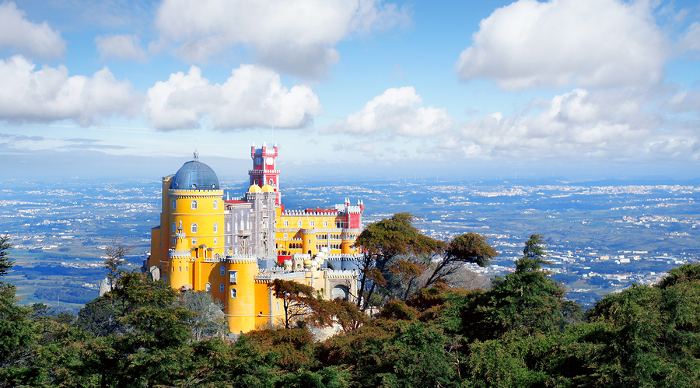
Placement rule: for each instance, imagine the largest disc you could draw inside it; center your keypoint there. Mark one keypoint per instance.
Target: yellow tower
(192, 204)
(240, 289)
(180, 274)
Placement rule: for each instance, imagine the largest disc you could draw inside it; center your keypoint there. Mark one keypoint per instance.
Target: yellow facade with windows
(311, 233)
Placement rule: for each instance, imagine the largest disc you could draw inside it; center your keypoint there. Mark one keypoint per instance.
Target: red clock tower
(264, 170)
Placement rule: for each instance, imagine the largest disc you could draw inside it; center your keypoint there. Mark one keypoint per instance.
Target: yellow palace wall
(301, 233)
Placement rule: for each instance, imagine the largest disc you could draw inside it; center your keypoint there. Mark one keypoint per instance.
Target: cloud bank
(298, 37)
(49, 94)
(398, 111)
(18, 33)
(252, 96)
(566, 42)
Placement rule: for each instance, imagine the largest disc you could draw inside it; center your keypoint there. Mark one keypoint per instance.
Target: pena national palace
(235, 248)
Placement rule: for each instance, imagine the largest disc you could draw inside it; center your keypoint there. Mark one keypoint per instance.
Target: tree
(298, 301)
(346, 314)
(384, 241)
(153, 347)
(5, 261)
(534, 254)
(207, 318)
(114, 257)
(395, 354)
(464, 248)
(526, 300)
(17, 332)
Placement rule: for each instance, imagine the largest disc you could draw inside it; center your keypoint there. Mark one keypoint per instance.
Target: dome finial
(195, 154)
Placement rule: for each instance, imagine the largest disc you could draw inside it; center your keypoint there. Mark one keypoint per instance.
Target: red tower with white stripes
(265, 170)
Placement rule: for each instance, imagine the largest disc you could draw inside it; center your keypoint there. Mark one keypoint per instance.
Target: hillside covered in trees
(410, 327)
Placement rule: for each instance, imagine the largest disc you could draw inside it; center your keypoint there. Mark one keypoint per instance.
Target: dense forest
(411, 327)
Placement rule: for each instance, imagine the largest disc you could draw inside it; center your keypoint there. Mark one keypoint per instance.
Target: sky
(352, 89)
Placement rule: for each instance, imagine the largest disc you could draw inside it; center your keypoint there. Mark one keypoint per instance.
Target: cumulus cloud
(563, 42)
(293, 36)
(578, 124)
(127, 47)
(399, 111)
(18, 33)
(49, 94)
(252, 96)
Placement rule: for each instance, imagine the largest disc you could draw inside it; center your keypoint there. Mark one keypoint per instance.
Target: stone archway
(340, 291)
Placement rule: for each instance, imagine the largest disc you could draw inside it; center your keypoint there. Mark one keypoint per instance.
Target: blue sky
(564, 88)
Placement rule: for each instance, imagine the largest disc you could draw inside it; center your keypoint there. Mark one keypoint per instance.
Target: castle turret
(240, 293)
(192, 203)
(264, 170)
(180, 274)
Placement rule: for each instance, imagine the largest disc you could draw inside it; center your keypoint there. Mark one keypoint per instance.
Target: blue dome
(195, 175)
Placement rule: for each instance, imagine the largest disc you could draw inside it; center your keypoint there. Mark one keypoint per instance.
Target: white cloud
(251, 97)
(50, 94)
(294, 36)
(399, 111)
(29, 38)
(691, 39)
(577, 125)
(563, 42)
(126, 47)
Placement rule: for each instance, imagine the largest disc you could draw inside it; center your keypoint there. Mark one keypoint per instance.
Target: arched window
(194, 228)
(216, 227)
(194, 205)
(233, 293)
(207, 287)
(221, 287)
(215, 204)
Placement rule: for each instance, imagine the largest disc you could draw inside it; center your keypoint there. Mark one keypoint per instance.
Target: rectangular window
(325, 224)
(173, 203)
(221, 287)
(194, 205)
(194, 228)
(216, 241)
(222, 271)
(207, 287)
(233, 293)
(299, 223)
(194, 242)
(286, 224)
(228, 226)
(311, 223)
(215, 204)
(285, 236)
(172, 227)
(232, 276)
(216, 228)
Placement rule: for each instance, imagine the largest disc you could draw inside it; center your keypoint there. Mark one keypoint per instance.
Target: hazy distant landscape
(602, 237)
